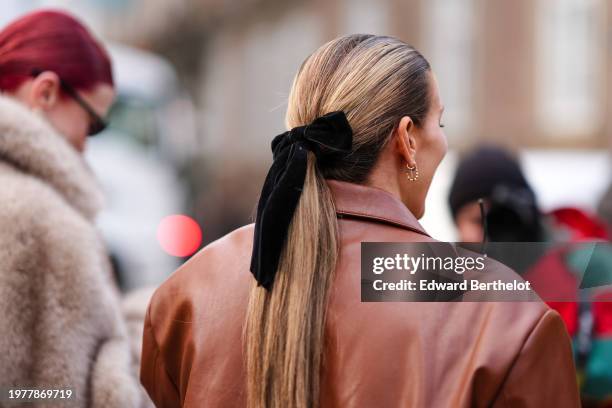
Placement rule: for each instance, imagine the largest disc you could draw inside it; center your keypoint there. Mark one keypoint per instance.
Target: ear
(405, 138)
(45, 91)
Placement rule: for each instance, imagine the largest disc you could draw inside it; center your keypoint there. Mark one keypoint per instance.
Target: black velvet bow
(329, 137)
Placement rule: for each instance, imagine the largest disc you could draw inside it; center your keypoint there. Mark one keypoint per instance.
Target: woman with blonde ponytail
(271, 314)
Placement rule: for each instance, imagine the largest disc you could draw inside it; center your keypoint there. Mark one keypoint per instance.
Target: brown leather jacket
(379, 354)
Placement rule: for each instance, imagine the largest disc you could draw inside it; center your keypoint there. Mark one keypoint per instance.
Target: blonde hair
(375, 80)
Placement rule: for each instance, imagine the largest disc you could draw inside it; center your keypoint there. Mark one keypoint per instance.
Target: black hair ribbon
(329, 137)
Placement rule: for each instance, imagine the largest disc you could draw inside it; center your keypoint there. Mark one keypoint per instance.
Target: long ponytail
(375, 81)
(285, 327)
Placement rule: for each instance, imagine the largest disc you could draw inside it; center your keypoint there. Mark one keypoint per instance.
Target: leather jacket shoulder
(436, 354)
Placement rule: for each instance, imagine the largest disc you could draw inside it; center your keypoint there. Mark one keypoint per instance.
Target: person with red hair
(61, 322)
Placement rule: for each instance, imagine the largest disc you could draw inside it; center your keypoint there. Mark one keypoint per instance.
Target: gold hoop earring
(413, 172)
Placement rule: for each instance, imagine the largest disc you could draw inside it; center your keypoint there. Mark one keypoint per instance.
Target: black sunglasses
(97, 124)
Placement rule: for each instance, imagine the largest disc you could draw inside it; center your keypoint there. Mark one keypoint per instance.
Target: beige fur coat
(60, 318)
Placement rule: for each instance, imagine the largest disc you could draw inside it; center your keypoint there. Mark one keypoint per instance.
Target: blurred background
(203, 86)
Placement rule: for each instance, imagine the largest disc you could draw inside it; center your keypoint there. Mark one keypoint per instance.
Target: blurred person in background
(493, 175)
(271, 314)
(61, 320)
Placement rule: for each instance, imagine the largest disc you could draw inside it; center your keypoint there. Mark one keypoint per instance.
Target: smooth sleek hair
(55, 41)
(376, 81)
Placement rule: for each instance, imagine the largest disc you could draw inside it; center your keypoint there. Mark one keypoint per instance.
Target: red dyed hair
(52, 41)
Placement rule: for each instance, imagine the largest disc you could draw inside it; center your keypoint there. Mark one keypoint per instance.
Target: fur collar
(30, 144)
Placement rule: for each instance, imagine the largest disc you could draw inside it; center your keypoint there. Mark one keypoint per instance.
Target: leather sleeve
(543, 374)
(153, 374)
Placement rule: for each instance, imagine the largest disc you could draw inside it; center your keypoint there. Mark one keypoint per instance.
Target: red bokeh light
(179, 235)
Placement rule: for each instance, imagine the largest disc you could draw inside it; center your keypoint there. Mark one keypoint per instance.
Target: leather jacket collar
(371, 203)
